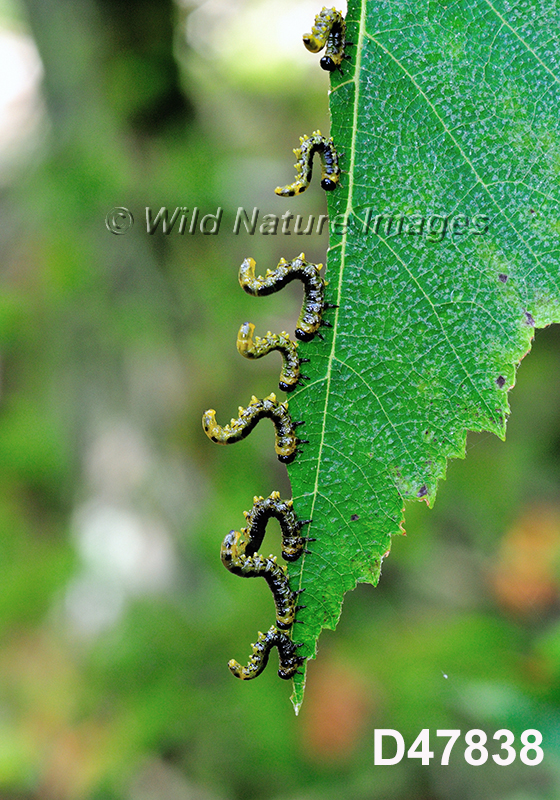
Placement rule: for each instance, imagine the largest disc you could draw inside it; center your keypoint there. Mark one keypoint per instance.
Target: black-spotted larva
(286, 441)
(311, 316)
(257, 347)
(289, 660)
(293, 543)
(330, 171)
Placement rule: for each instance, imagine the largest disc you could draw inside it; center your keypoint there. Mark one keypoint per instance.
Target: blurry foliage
(113, 676)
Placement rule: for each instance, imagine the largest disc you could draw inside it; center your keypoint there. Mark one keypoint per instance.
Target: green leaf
(444, 112)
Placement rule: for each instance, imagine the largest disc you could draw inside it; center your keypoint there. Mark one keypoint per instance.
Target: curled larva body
(286, 441)
(293, 543)
(324, 21)
(289, 661)
(236, 561)
(257, 347)
(310, 318)
(329, 31)
(330, 170)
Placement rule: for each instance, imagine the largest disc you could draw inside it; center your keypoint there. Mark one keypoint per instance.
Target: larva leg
(289, 661)
(313, 306)
(257, 347)
(286, 441)
(257, 566)
(330, 170)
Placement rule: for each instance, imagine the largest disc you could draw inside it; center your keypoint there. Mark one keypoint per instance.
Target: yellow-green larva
(330, 171)
(258, 347)
(311, 316)
(289, 661)
(293, 543)
(286, 441)
(329, 31)
(255, 566)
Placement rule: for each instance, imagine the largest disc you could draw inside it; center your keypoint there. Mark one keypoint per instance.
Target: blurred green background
(116, 616)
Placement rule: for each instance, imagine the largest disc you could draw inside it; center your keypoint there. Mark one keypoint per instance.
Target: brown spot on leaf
(501, 381)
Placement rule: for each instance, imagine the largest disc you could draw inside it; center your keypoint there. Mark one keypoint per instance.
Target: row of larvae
(239, 548)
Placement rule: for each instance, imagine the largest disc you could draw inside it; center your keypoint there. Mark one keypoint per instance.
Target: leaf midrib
(331, 358)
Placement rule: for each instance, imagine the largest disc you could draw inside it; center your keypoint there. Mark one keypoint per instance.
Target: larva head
(292, 548)
(286, 673)
(328, 64)
(328, 184)
(289, 668)
(304, 335)
(286, 455)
